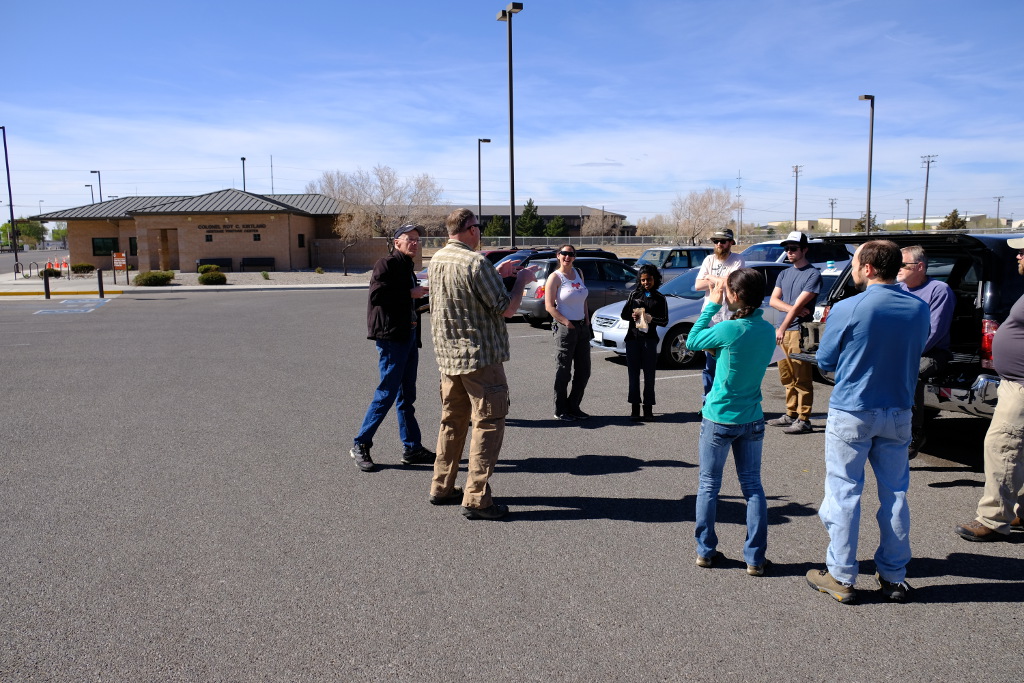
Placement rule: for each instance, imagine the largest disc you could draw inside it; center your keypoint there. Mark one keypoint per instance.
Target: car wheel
(674, 353)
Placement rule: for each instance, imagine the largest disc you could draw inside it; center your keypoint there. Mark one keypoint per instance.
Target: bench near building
(233, 229)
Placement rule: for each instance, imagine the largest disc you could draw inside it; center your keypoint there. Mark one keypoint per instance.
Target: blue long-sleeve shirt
(873, 342)
(744, 348)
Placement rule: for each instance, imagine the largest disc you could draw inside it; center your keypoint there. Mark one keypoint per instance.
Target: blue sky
(619, 103)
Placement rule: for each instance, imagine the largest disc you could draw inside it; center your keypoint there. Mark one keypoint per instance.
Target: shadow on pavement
(584, 465)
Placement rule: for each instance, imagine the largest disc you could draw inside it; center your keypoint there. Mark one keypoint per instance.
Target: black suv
(982, 271)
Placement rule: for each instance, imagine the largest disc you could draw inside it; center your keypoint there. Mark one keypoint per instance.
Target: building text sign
(120, 262)
(244, 227)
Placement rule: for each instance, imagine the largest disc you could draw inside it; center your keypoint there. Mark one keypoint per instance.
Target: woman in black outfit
(646, 306)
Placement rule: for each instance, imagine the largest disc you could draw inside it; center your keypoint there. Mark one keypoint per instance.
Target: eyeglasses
(791, 248)
(910, 263)
(567, 254)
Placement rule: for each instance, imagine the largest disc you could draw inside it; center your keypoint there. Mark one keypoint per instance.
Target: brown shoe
(976, 531)
(1016, 524)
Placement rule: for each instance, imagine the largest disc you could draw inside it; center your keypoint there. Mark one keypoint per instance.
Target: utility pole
(908, 213)
(739, 202)
(796, 188)
(998, 202)
(832, 219)
(928, 160)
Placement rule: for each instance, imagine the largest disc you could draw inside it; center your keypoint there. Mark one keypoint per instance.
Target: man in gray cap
(1003, 499)
(715, 268)
(392, 322)
(796, 291)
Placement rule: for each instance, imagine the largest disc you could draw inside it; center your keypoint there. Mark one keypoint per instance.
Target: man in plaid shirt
(468, 306)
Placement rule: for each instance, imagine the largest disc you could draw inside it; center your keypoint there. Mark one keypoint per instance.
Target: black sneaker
(418, 456)
(579, 414)
(361, 454)
(565, 417)
(897, 592)
(452, 498)
(495, 511)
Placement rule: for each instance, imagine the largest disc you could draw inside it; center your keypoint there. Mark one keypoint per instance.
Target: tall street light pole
(92, 196)
(796, 191)
(479, 180)
(871, 142)
(243, 174)
(908, 213)
(99, 179)
(13, 232)
(998, 202)
(506, 16)
(928, 161)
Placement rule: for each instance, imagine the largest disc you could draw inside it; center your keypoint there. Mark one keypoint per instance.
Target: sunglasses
(791, 248)
(567, 254)
(720, 241)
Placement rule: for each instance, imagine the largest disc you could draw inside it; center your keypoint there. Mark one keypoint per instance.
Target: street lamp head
(483, 139)
(514, 7)
(867, 97)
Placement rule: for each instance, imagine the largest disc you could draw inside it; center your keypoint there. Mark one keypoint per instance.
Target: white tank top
(571, 297)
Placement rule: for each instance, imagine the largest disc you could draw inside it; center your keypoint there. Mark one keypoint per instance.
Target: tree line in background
(375, 203)
(32, 233)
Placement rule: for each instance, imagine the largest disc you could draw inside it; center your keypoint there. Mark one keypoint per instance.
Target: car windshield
(655, 257)
(682, 286)
(762, 252)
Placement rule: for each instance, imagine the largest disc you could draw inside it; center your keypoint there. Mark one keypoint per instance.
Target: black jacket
(655, 305)
(390, 309)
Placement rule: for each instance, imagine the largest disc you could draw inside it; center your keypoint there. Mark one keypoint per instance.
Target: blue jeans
(708, 374)
(398, 364)
(746, 441)
(881, 437)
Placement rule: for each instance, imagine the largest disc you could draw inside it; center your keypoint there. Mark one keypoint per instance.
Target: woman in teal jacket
(743, 347)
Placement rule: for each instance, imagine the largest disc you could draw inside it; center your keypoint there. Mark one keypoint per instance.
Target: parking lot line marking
(680, 376)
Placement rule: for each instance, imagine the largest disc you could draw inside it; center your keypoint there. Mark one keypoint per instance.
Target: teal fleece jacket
(744, 349)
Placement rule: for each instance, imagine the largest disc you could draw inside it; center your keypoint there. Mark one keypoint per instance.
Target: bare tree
(376, 203)
(599, 223)
(655, 225)
(699, 214)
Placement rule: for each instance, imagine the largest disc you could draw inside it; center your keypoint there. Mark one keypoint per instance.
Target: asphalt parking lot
(179, 504)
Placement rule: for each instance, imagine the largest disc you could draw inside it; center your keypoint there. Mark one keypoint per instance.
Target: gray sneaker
(897, 592)
(783, 421)
(361, 454)
(799, 427)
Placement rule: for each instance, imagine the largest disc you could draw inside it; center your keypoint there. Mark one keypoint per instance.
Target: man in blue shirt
(873, 343)
(913, 278)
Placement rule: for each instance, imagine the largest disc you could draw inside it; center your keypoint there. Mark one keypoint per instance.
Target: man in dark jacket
(393, 323)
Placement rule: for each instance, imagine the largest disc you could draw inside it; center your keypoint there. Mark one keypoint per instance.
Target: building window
(255, 237)
(209, 238)
(104, 246)
(302, 241)
(133, 246)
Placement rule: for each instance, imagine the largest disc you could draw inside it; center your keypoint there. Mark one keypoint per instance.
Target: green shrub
(52, 272)
(208, 268)
(213, 277)
(265, 274)
(154, 278)
(319, 271)
(82, 268)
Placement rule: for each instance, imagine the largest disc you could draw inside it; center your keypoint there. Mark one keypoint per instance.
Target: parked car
(982, 271)
(673, 261)
(606, 279)
(524, 256)
(684, 306)
(822, 254)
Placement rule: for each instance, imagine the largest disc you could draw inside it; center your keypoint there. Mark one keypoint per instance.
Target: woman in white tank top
(565, 298)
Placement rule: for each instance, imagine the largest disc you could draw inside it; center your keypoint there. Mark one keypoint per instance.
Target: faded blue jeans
(398, 364)
(746, 441)
(881, 437)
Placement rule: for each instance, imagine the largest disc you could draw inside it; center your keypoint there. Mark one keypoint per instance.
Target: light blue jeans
(880, 437)
(398, 363)
(745, 441)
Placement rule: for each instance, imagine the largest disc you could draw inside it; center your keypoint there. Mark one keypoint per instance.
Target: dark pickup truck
(982, 271)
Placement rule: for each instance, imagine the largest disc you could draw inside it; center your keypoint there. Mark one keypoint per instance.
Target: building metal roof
(223, 201)
(545, 210)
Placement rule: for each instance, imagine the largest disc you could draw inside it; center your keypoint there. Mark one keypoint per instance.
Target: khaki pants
(480, 397)
(798, 378)
(1003, 498)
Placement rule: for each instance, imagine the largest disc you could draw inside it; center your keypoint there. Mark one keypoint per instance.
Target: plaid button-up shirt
(467, 304)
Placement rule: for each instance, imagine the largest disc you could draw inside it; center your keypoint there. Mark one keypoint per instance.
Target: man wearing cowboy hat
(715, 268)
